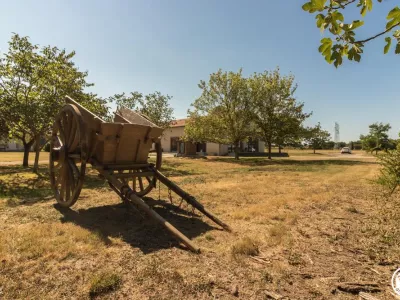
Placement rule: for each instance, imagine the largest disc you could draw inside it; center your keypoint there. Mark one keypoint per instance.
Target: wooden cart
(119, 151)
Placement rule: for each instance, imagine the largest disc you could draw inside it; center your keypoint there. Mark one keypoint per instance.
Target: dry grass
(246, 246)
(298, 222)
(16, 157)
(103, 283)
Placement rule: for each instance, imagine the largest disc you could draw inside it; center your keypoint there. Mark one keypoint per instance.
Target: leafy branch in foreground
(330, 18)
(390, 172)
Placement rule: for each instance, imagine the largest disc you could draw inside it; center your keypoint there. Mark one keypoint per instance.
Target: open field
(14, 158)
(302, 226)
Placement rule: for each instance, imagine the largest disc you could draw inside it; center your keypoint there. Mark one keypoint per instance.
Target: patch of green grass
(104, 282)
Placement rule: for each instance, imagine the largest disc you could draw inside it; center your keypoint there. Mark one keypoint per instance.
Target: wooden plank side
(134, 147)
(145, 146)
(129, 139)
(106, 151)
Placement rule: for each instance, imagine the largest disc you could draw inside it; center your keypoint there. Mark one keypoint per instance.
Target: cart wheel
(68, 155)
(143, 185)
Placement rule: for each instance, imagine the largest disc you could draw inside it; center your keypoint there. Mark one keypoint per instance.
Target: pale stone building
(171, 142)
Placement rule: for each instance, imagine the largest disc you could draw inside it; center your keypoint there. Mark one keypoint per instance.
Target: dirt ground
(304, 227)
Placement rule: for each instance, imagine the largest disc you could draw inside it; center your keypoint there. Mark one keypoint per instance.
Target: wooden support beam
(119, 166)
(134, 174)
(189, 198)
(127, 192)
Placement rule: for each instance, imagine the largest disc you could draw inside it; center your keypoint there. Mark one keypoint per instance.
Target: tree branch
(378, 35)
(341, 6)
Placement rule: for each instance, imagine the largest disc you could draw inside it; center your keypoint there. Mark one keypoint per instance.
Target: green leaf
(356, 24)
(357, 57)
(307, 6)
(318, 4)
(326, 45)
(363, 11)
(369, 4)
(320, 20)
(394, 13)
(397, 51)
(388, 43)
(391, 23)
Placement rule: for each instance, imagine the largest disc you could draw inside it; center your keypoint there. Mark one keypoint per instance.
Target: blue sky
(170, 46)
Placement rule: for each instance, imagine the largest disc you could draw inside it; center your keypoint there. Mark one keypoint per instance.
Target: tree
(33, 83)
(377, 138)
(329, 16)
(4, 131)
(316, 136)
(155, 106)
(222, 113)
(276, 113)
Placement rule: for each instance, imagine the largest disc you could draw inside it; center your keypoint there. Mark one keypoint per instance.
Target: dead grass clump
(158, 273)
(295, 259)
(277, 234)
(246, 246)
(104, 282)
(353, 210)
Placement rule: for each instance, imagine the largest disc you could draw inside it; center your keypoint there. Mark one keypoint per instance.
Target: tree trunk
(280, 150)
(237, 146)
(314, 150)
(27, 147)
(269, 149)
(37, 154)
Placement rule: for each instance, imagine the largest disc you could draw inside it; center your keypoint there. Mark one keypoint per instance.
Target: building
(171, 142)
(11, 146)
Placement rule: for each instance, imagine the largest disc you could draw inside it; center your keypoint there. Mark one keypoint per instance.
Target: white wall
(168, 134)
(212, 149)
(261, 146)
(13, 145)
(223, 149)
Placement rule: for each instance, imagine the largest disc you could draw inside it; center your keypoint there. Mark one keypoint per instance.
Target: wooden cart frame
(119, 151)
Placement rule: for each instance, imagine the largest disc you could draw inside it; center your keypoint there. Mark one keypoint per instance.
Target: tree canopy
(33, 83)
(377, 138)
(343, 41)
(155, 106)
(222, 113)
(276, 113)
(316, 137)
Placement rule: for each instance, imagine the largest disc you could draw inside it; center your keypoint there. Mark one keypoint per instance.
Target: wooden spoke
(71, 174)
(134, 183)
(141, 184)
(72, 136)
(149, 180)
(63, 182)
(65, 125)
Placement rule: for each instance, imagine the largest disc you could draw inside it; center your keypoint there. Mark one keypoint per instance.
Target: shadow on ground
(20, 186)
(135, 228)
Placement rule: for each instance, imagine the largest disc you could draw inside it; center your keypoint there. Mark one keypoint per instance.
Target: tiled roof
(178, 123)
